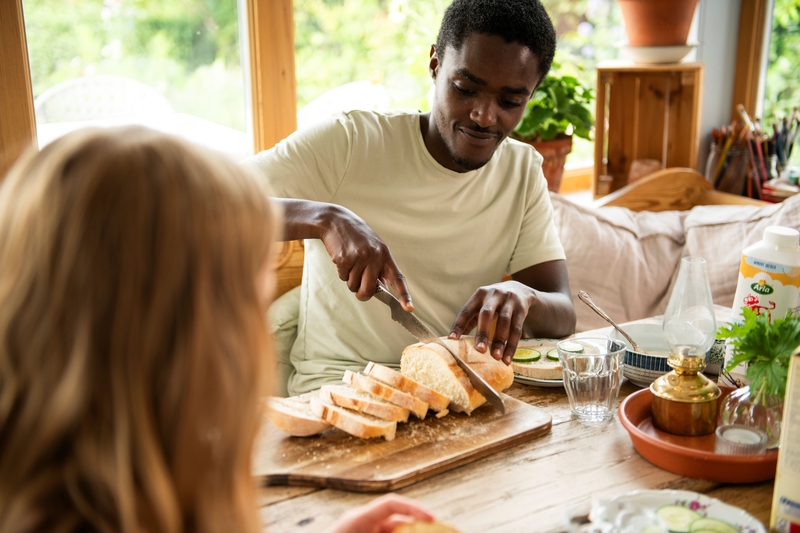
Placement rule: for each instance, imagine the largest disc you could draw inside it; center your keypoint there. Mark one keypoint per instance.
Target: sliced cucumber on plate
(572, 347)
(678, 519)
(526, 355)
(712, 525)
(552, 354)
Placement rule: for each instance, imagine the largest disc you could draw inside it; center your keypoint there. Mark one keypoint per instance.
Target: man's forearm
(551, 316)
(305, 219)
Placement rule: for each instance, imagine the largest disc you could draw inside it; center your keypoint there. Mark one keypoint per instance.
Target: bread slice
(364, 402)
(352, 422)
(434, 367)
(542, 369)
(435, 400)
(294, 416)
(386, 392)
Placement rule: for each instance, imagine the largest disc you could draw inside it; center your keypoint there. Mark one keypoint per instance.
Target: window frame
(270, 37)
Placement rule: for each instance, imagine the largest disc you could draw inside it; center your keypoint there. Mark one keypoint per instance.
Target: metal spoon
(585, 298)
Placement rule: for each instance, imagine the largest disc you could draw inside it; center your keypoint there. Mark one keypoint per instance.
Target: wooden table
(527, 488)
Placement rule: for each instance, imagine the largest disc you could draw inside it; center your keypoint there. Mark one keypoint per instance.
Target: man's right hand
(360, 255)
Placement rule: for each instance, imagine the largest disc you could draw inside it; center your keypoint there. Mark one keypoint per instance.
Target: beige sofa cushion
(628, 261)
(625, 260)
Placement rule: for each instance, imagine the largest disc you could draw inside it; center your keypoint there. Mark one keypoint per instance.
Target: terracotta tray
(689, 456)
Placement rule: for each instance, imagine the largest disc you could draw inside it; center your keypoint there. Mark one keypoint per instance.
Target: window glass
(167, 64)
(782, 92)
(381, 47)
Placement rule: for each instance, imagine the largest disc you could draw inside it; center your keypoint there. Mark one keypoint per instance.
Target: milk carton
(769, 277)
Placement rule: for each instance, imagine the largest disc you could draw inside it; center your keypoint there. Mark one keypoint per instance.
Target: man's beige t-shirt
(448, 232)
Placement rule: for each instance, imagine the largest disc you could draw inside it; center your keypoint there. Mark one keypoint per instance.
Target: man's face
(480, 95)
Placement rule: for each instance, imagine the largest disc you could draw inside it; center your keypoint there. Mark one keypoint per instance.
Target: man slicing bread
(438, 205)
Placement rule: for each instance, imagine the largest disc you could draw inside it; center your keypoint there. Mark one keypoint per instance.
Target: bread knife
(423, 334)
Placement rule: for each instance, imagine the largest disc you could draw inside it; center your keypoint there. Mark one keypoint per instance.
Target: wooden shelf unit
(645, 112)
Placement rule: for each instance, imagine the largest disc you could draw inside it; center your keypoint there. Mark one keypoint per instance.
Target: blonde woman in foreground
(134, 279)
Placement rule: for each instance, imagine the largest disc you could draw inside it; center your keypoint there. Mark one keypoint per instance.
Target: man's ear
(433, 66)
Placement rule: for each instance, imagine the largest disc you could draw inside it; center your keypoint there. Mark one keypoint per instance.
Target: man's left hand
(508, 302)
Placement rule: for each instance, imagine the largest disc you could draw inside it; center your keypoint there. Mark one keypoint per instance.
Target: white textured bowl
(656, 54)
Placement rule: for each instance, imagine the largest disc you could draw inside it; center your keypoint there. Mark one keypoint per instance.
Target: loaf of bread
(435, 400)
(386, 392)
(434, 367)
(357, 424)
(294, 416)
(363, 402)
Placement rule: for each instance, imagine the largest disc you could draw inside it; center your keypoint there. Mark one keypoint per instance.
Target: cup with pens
(743, 159)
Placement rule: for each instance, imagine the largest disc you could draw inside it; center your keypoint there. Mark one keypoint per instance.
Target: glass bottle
(763, 411)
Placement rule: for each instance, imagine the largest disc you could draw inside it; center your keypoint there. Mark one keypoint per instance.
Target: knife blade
(423, 334)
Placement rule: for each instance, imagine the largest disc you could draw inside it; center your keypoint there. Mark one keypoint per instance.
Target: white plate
(699, 503)
(534, 343)
(538, 382)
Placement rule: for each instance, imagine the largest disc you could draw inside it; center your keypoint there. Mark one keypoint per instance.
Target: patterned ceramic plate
(702, 506)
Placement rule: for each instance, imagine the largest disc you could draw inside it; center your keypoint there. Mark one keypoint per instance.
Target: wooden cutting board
(421, 449)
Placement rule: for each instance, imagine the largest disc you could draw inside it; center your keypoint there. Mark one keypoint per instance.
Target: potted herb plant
(765, 347)
(558, 109)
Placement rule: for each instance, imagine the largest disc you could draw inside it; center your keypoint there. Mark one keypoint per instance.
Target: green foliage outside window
(782, 89)
(187, 49)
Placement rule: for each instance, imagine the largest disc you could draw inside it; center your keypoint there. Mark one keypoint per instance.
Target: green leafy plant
(560, 106)
(766, 348)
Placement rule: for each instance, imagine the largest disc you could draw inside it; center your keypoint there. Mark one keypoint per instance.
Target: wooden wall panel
(17, 122)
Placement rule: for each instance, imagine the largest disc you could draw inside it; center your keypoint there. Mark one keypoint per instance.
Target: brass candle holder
(684, 400)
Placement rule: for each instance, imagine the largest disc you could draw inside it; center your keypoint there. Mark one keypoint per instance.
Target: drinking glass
(592, 369)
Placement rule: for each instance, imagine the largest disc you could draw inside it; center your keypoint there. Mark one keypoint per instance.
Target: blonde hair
(133, 345)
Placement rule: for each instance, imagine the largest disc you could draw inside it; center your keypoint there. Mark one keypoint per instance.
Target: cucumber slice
(678, 519)
(552, 354)
(572, 347)
(526, 355)
(712, 524)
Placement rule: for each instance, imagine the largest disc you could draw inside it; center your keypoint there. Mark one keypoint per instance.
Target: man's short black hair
(517, 21)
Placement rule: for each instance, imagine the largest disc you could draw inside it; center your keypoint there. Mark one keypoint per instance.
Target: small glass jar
(764, 413)
(728, 174)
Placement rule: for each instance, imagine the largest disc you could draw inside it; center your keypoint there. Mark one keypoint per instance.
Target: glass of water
(592, 370)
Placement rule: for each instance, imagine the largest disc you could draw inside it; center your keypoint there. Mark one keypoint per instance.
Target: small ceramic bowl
(644, 368)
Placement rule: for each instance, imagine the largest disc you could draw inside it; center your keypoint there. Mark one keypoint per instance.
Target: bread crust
(435, 400)
(356, 424)
(386, 392)
(294, 416)
(352, 398)
(496, 373)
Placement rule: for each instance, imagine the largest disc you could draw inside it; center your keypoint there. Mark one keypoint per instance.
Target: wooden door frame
(753, 16)
(17, 122)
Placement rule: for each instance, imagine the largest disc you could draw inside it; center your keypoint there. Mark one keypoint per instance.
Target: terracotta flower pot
(555, 155)
(657, 22)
